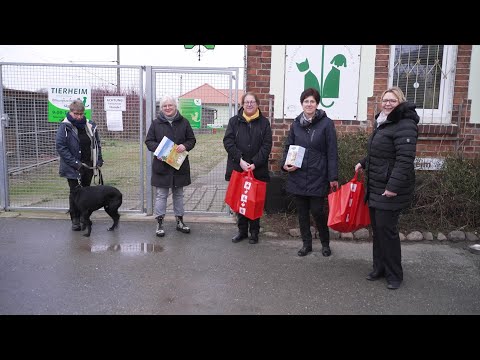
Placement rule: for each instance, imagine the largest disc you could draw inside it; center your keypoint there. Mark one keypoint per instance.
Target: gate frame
(150, 86)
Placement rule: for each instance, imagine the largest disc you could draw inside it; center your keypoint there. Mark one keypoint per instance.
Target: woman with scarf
(173, 125)
(318, 174)
(78, 144)
(248, 142)
(390, 174)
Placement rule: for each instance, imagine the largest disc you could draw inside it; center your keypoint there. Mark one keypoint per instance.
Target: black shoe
(374, 275)
(76, 227)
(394, 285)
(326, 250)
(239, 237)
(253, 238)
(304, 251)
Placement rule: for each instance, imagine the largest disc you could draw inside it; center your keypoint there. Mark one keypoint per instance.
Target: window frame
(443, 113)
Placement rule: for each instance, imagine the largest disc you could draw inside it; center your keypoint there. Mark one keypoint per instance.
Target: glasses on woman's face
(253, 102)
(391, 101)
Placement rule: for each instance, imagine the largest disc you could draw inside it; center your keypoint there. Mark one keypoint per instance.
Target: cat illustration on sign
(330, 89)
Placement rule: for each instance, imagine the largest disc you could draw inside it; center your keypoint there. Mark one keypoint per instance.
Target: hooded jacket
(320, 161)
(180, 132)
(67, 144)
(251, 141)
(390, 159)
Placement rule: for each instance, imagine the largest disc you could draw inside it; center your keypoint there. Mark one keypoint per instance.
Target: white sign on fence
(115, 103)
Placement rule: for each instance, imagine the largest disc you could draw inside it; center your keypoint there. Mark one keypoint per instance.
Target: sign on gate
(60, 97)
(191, 109)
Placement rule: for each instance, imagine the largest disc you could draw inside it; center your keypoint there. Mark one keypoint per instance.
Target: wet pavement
(45, 268)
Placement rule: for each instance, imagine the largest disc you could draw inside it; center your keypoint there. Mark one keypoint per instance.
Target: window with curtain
(425, 73)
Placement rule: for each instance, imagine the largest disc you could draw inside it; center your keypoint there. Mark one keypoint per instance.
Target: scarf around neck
(250, 118)
(79, 124)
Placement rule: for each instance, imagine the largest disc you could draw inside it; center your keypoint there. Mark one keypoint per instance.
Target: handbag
(347, 211)
(246, 195)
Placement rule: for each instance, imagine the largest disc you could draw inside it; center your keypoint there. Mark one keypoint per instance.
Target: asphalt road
(45, 268)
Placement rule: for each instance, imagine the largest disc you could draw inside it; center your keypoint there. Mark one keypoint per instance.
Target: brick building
(443, 80)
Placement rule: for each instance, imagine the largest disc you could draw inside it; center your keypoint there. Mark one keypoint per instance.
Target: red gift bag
(347, 210)
(246, 195)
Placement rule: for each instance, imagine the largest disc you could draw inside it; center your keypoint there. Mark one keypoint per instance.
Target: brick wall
(434, 140)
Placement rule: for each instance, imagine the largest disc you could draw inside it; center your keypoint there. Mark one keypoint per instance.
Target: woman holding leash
(78, 144)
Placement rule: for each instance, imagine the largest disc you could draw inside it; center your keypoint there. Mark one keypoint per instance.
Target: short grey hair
(168, 99)
(77, 105)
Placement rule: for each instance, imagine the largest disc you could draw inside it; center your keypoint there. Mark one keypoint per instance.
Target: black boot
(326, 250)
(181, 225)
(160, 232)
(253, 237)
(306, 249)
(239, 237)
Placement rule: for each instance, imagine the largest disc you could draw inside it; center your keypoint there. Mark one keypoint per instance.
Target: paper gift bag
(347, 210)
(246, 195)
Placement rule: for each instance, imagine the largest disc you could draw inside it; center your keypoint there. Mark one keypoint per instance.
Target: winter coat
(320, 162)
(251, 141)
(180, 132)
(67, 144)
(390, 159)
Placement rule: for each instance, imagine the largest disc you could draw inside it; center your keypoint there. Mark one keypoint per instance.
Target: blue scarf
(79, 124)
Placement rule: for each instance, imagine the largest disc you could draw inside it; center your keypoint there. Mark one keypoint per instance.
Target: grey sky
(155, 55)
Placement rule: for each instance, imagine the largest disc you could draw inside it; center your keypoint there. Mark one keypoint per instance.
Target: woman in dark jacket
(172, 124)
(78, 144)
(311, 182)
(248, 141)
(390, 174)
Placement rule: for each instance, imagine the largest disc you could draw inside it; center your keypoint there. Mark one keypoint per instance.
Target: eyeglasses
(392, 101)
(249, 102)
(78, 114)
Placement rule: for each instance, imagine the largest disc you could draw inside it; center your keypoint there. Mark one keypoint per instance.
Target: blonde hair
(397, 92)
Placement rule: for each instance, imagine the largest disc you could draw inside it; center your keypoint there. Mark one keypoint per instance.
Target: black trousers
(244, 222)
(387, 252)
(86, 176)
(315, 205)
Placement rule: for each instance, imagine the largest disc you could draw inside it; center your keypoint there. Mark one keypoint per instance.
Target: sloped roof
(210, 95)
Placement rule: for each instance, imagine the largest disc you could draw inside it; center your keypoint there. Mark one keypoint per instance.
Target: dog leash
(100, 176)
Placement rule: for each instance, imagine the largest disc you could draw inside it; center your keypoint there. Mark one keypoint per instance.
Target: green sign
(208, 47)
(191, 109)
(60, 97)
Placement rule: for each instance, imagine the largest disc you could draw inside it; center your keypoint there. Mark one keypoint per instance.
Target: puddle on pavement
(124, 248)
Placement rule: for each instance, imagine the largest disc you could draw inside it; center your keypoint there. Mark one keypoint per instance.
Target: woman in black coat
(390, 174)
(248, 142)
(318, 173)
(172, 124)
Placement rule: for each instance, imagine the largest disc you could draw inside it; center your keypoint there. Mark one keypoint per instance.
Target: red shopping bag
(347, 211)
(246, 195)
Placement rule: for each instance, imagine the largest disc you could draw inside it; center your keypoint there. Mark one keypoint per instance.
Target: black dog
(90, 198)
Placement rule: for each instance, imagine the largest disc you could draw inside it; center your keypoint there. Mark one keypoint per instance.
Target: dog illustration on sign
(330, 89)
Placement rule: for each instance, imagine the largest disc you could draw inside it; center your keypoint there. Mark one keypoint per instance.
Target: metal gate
(28, 160)
(214, 95)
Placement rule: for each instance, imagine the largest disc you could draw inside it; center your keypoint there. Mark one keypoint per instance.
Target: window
(426, 74)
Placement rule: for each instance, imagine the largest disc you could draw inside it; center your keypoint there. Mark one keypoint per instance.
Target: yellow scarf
(253, 117)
